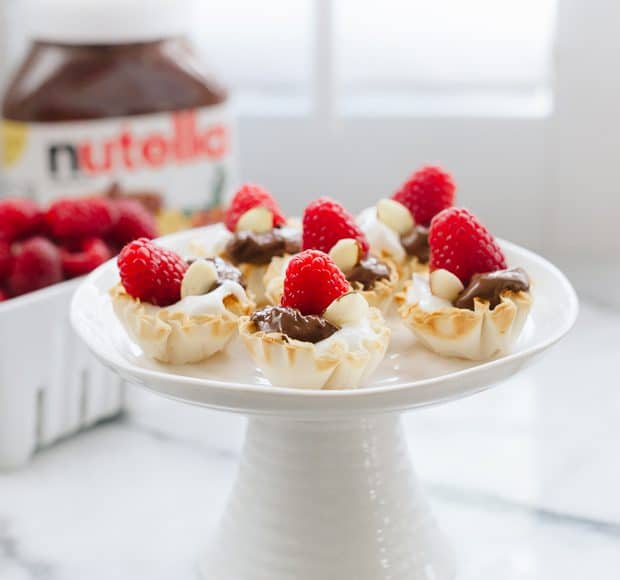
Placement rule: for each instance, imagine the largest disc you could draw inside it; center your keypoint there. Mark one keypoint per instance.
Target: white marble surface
(524, 478)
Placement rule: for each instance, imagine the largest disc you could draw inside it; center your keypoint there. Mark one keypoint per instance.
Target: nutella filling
(368, 272)
(489, 287)
(415, 243)
(293, 324)
(253, 248)
(225, 271)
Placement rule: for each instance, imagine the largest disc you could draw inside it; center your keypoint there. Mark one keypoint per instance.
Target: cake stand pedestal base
(327, 500)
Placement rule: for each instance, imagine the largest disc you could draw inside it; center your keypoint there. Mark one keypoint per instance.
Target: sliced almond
(199, 278)
(257, 219)
(346, 253)
(395, 215)
(445, 284)
(348, 309)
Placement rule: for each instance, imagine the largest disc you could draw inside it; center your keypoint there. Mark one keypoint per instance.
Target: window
(411, 51)
(262, 50)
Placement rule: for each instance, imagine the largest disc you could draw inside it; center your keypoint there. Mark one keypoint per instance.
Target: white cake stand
(325, 488)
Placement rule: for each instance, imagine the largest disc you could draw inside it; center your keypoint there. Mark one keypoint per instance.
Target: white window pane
(260, 46)
(468, 44)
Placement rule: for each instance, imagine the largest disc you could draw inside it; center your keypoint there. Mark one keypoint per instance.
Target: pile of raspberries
(43, 246)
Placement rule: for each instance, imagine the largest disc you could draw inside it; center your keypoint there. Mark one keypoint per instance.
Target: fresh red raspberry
(6, 260)
(325, 222)
(19, 218)
(312, 282)
(429, 190)
(4, 295)
(84, 256)
(133, 221)
(461, 244)
(248, 197)
(36, 265)
(151, 273)
(72, 218)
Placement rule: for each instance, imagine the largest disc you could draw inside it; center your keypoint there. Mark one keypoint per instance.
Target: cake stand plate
(325, 488)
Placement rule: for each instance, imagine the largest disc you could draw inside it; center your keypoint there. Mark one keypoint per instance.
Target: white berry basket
(325, 488)
(50, 384)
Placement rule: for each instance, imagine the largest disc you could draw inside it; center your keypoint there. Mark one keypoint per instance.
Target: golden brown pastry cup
(293, 363)
(176, 337)
(478, 334)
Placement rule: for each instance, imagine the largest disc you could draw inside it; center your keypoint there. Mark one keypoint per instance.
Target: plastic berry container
(50, 385)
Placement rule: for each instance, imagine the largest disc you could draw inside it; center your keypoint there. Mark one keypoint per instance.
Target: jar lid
(87, 22)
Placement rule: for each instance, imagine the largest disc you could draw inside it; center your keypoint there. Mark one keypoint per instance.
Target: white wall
(584, 148)
(498, 163)
(584, 144)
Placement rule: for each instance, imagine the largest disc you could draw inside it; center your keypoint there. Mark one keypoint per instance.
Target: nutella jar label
(181, 163)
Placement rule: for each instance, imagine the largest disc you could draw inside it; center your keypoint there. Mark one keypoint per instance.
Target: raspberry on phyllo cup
(397, 227)
(256, 232)
(328, 227)
(322, 335)
(472, 305)
(178, 311)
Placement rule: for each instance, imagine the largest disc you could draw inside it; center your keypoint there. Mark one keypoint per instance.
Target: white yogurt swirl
(211, 302)
(419, 292)
(353, 336)
(383, 240)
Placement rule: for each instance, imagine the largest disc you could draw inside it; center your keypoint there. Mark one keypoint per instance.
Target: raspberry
(325, 222)
(84, 257)
(6, 260)
(133, 221)
(19, 218)
(429, 190)
(248, 197)
(36, 265)
(461, 244)
(312, 282)
(77, 218)
(151, 273)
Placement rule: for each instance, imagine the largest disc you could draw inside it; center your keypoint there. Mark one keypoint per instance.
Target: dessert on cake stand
(325, 488)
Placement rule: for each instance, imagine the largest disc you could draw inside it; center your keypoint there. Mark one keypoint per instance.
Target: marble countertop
(524, 479)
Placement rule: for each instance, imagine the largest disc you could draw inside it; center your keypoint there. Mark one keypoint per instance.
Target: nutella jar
(111, 99)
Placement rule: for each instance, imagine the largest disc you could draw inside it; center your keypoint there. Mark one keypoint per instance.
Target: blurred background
(519, 100)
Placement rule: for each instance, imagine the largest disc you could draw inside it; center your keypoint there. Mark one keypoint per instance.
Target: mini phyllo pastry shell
(185, 332)
(478, 334)
(341, 361)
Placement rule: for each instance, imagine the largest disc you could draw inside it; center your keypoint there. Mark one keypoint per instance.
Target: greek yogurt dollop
(420, 292)
(382, 239)
(210, 303)
(353, 336)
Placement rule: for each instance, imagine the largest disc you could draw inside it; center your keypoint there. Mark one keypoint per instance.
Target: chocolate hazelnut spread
(293, 324)
(98, 103)
(90, 82)
(368, 272)
(415, 243)
(253, 248)
(490, 286)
